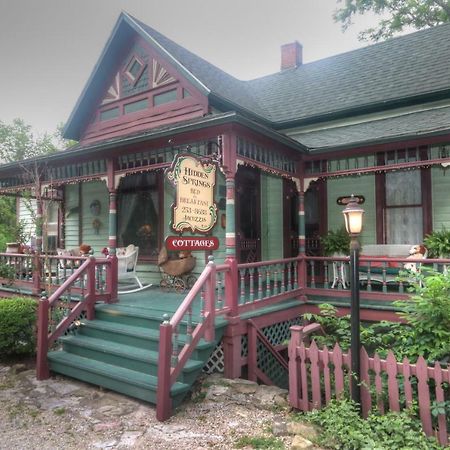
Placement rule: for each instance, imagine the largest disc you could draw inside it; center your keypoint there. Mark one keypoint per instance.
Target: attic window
(134, 69)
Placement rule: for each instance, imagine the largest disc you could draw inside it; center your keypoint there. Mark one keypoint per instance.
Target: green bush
(343, 428)
(17, 326)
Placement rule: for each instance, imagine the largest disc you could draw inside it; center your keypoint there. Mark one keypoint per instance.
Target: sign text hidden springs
(194, 182)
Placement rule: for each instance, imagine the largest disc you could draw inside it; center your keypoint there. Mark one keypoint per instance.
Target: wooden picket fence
(316, 376)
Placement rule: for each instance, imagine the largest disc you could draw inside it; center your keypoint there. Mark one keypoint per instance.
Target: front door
(248, 215)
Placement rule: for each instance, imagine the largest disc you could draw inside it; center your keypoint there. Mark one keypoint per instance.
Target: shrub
(343, 428)
(17, 326)
(428, 314)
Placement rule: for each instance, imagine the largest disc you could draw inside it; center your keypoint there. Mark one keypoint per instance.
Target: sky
(48, 48)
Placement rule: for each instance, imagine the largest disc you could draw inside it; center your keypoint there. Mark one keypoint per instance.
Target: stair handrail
(254, 331)
(46, 337)
(171, 363)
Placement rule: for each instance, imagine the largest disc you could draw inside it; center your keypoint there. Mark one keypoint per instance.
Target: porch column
(232, 340)
(112, 235)
(302, 269)
(112, 228)
(39, 239)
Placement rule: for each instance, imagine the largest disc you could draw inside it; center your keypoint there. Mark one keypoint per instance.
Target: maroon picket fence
(316, 376)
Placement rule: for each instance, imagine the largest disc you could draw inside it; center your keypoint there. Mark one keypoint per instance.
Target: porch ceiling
(406, 126)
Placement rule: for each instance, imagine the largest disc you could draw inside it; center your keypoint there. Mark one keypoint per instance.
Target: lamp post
(353, 214)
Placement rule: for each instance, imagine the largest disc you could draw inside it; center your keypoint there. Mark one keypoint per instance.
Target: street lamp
(353, 214)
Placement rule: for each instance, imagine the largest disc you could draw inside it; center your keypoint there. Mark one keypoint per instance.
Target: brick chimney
(291, 55)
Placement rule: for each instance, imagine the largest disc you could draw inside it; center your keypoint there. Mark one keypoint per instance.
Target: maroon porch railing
(265, 362)
(376, 273)
(38, 273)
(315, 376)
(268, 281)
(172, 357)
(74, 299)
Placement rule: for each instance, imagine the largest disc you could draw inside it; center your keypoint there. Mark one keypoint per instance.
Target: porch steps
(118, 350)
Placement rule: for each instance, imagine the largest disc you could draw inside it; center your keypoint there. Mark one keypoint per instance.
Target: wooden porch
(153, 344)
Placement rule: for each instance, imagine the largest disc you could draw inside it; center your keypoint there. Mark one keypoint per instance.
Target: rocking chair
(126, 269)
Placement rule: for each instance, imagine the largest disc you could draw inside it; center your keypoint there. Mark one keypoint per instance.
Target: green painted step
(140, 337)
(119, 379)
(137, 317)
(121, 355)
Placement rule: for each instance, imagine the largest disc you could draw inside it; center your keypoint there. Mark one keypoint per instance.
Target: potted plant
(336, 243)
(438, 244)
(20, 235)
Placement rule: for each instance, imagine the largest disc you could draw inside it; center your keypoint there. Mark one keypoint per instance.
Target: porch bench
(377, 268)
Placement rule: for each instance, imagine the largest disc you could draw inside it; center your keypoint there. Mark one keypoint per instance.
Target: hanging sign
(194, 180)
(192, 243)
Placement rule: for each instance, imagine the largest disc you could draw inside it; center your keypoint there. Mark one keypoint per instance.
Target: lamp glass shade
(353, 215)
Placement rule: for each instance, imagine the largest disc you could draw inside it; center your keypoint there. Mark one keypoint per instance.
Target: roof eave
(370, 143)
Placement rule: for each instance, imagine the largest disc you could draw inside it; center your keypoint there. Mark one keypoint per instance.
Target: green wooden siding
(440, 187)
(72, 216)
(25, 208)
(271, 217)
(90, 192)
(362, 185)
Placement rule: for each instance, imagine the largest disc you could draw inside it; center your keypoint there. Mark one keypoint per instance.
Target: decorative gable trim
(113, 93)
(160, 76)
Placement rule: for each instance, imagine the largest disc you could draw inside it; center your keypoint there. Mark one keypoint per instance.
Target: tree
(397, 15)
(17, 142)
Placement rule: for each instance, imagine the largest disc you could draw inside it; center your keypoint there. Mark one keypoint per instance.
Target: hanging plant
(336, 242)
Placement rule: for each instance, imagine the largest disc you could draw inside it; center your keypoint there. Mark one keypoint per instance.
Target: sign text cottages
(194, 182)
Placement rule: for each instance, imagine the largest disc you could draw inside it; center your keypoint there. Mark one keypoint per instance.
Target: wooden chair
(126, 267)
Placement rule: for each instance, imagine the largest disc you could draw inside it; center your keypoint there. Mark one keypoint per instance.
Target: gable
(143, 92)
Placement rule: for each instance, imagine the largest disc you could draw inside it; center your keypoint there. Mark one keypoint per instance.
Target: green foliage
(260, 443)
(336, 242)
(438, 244)
(17, 326)
(397, 15)
(8, 273)
(426, 333)
(428, 314)
(17, 142)
(7, 221)
(343, 428)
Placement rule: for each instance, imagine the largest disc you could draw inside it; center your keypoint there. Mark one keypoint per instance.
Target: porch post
(112, 228)
(231, 339)
(39, 239)
(301, 228)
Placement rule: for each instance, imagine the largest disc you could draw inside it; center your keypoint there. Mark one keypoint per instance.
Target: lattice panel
(279, 332)
(271, 367)
(244, 345)
(215, 362)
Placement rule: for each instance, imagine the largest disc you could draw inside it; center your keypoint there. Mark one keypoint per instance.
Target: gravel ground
(61, 413)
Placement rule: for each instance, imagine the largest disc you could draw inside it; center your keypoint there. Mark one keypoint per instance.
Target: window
(139, 212)
(50, 226)
(165, 97)
(404, 213)
(134, 69)
(109, 114)
(136, 106)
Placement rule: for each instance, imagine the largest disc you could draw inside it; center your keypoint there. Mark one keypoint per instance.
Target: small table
(339, 275)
